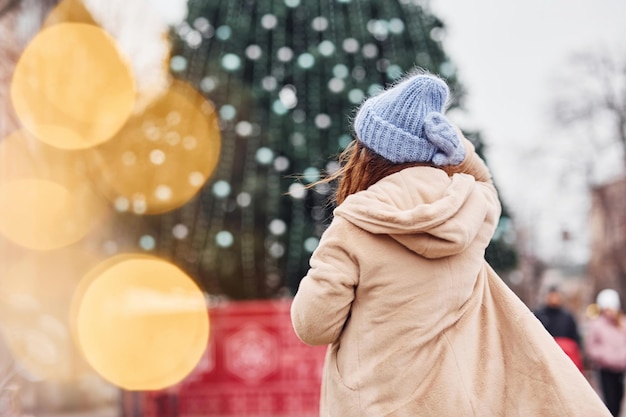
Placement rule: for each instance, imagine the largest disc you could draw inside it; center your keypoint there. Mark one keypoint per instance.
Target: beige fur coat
(417, 322)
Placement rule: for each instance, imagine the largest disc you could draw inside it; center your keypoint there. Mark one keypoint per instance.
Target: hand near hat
(440, 132)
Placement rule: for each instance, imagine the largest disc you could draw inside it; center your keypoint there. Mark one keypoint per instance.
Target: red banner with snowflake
(254, 366)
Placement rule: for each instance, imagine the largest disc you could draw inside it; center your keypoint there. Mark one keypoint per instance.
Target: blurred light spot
(142, 323)
(344, 140)
(281, 163)
(122, 204)
(298, 115)
(394, 72)
(336, 85)
(254, 52)
(147, 242)
(279, 108)
(264, 155)
(269, 21)
(269, 83)
(396, 26)
(292, 3)
(326, 48)
(208, 84)
(322, 121)
(323, 188)
(224, 239)
(231, 62)
(310, 244)
(358, 73)
(193, 39)
(437, 34)
(196, 179)
(173, 118)
(306, 60)
(332, 167)
(244, 128)
(284, 53)
(223, 33)
(276, 250)
(228, 112)
(311, 174)
(375, 89)
(319, 23)
(221, 189)
(178, 63)
(297, 191)
(157, 157)
(71, 87)
(277, 227)
(287, 96)
(140, 206)
(340, 71)
(378, 28)
(190, 143)
(297, 139)
(180, 231)
(350, 45)
(163, 192)
(370, 50)
(356, 96)
(202, 24)
(447, 69)
(172, 138)
(244, 199)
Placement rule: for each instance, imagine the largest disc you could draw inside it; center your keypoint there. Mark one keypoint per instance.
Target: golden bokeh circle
(71, 87)
(142, 323)
(162, 157)
(36, 291)
(47, 200)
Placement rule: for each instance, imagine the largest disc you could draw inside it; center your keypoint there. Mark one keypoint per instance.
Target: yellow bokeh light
(36, 290)
(69, 11)
(46, 198)
(161, 158)
(71, 87)
(142, 323)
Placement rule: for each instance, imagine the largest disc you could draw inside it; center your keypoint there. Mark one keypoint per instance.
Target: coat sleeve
(322, 303)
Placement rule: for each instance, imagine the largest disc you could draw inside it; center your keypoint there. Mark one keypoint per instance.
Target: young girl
(605, 345)
(417, 322)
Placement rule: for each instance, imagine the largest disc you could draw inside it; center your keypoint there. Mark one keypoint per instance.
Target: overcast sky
(509, 55)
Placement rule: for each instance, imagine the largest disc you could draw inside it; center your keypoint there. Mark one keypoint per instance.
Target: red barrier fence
(254, 366)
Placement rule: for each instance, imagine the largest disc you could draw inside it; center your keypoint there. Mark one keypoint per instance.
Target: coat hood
(422, 208)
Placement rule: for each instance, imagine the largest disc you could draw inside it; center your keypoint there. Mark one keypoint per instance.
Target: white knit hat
(608, 298)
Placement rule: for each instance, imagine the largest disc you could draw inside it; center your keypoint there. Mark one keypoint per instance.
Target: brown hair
(360, 168)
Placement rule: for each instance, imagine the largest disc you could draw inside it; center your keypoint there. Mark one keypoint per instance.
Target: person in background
(417, 322)
(561, 324)
(605, 346)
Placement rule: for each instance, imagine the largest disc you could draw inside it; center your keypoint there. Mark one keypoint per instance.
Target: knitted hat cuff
(389, 141)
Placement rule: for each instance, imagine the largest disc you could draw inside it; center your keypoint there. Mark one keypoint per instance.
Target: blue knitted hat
(406, 123)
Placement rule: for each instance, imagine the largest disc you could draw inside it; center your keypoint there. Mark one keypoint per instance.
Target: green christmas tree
(285, 77)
